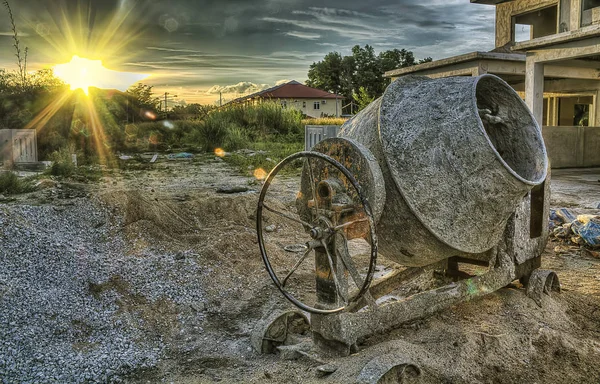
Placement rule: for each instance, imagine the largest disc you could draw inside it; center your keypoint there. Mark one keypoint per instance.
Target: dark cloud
(194, 45)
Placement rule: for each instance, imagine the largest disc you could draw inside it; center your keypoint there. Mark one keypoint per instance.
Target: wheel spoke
(345, 225)
(349, 263)
(334, 272)
(265, 206)
(312, 185)
(296, 266)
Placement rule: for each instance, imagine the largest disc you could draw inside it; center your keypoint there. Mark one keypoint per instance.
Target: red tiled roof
(295, 90)
(291, 90)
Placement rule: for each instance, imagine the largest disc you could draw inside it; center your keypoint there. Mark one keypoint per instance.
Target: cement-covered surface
(171, 217)
(578, 188)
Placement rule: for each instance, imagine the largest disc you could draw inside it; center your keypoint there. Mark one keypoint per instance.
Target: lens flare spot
(150, 115)
(168, 124)
(154, 139)
(220, 152)
(260, 174)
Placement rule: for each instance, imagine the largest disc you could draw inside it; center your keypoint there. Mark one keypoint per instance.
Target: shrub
(11, 184)
(212, 132)
(236, 139)
(62, 162)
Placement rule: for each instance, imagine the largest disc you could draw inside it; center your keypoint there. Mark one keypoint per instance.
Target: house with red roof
(310, 101)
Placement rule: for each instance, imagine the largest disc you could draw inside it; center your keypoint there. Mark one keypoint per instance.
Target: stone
(231, 190)
(325, 370)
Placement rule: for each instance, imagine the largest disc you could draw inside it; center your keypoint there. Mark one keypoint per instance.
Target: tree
(193, 111)
(346, 75)
(362, 98)
(143, 98)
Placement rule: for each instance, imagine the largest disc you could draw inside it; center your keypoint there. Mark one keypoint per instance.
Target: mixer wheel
(321, 230)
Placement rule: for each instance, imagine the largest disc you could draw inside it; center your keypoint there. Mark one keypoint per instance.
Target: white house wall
(306, 106)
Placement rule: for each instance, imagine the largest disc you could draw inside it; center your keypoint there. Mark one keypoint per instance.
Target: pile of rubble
(575, 231)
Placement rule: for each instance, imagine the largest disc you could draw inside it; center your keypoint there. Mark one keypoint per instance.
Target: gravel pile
(64, 285)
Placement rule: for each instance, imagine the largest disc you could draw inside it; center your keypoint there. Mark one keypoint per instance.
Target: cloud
(241, 88)
(304, 35)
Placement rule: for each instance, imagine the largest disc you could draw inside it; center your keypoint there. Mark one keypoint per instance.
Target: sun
(81, 73)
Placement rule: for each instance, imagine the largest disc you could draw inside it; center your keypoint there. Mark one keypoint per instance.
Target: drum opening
(511, 129)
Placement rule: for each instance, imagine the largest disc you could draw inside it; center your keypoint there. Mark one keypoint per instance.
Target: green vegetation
(362, 98)
(10, 184)
(267, 155)
(230, 128)
(325, 121)
(346, 75)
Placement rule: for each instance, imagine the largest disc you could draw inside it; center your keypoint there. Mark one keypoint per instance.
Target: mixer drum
(457, 155)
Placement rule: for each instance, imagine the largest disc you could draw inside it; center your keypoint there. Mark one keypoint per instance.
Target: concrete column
(575, 16)
(596, 119)
(534, 87)
(555, 102)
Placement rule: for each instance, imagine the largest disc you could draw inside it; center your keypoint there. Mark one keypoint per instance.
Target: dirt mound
(179, 221)
(502, 338)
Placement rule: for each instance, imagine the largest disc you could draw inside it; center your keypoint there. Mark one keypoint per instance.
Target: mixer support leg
(347, 328)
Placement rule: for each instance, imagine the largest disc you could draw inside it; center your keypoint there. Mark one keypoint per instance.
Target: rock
(289, 352)
(198, 307)
(230, 190)
(270, 228)
(45, 184)
(179, 256)
(325, 370)
(181, 197)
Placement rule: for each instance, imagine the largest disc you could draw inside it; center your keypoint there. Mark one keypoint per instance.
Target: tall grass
(262, 120)
(325, 121)
(231, 127)
(10, 184)
(268, 155)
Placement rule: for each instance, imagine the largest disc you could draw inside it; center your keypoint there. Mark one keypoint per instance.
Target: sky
(194, 49)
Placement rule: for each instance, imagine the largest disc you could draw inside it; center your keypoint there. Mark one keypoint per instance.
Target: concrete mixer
(437, 177)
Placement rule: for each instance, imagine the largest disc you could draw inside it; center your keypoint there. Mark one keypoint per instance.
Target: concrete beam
(559, 71)
(568, 51)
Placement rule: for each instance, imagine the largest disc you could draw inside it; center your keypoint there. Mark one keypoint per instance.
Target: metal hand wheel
(349, 216)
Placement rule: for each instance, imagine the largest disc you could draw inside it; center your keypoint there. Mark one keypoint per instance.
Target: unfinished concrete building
(18, 146)
(549, 52)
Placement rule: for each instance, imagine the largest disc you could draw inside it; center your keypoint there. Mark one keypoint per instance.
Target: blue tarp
(182, 155)
(564, 223)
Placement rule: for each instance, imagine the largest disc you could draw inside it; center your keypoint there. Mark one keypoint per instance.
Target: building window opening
(575, 111)
(538, 23)
(304, 104)
(317, 105)
(590, 12)
(581, 115)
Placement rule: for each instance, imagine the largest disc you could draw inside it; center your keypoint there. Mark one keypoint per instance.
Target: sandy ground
(173, 208)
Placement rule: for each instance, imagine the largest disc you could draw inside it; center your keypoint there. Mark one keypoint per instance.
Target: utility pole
(166, 106)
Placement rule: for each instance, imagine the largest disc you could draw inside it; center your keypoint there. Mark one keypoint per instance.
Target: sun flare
(81, 73)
